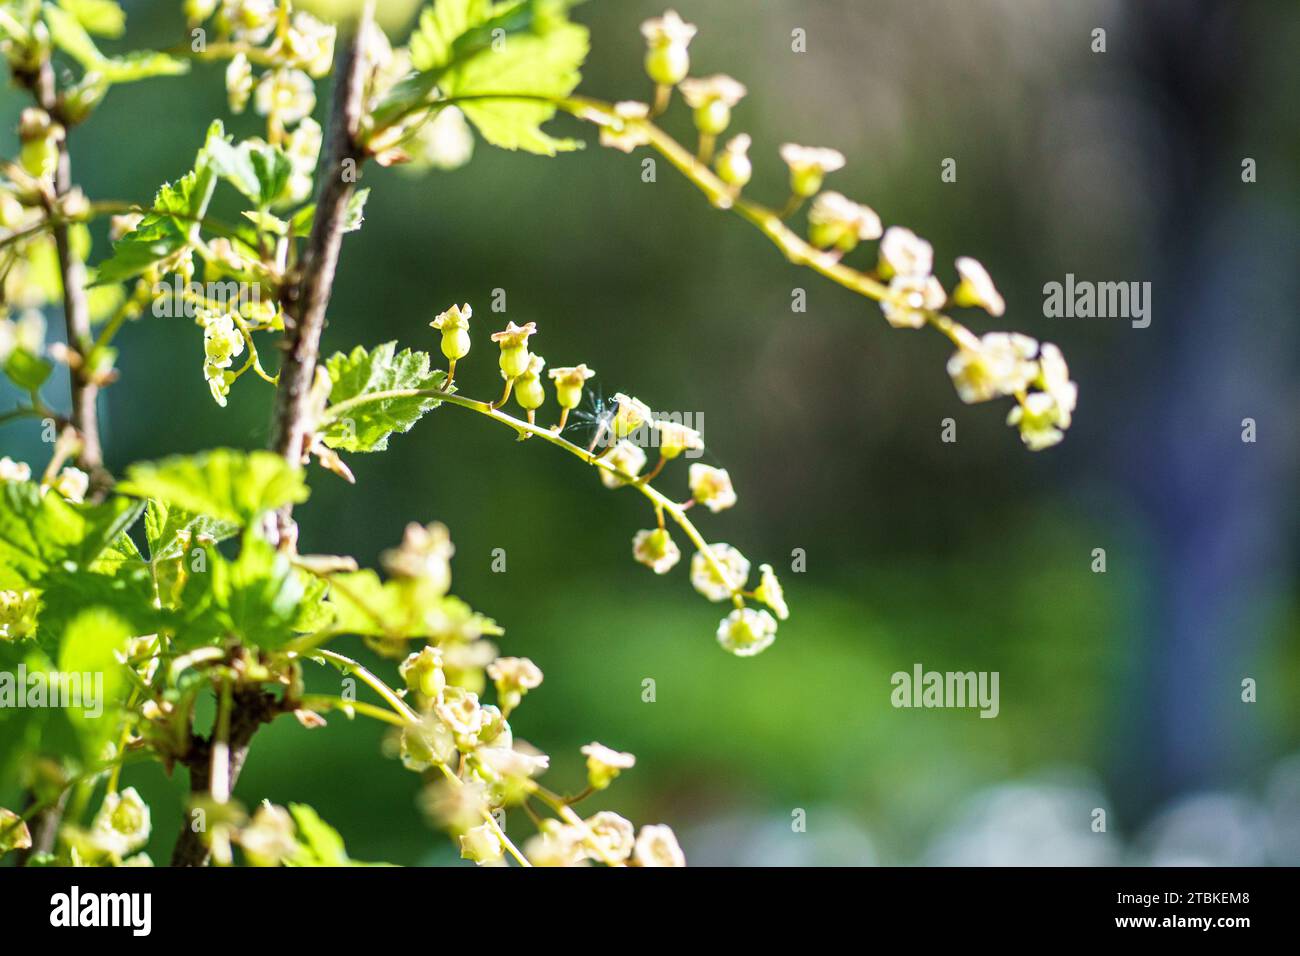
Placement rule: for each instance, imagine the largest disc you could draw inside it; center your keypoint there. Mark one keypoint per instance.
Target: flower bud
(675, 438)
(513, 340)
(809, 166)
(423, 674)
(667, 58)
(568, 384)
(454, 326)
(712, 98)
(836, 221)
(770, 592)
(976, 288)
(604, 764)
(529, 392)
(733, 165)
(40, 143)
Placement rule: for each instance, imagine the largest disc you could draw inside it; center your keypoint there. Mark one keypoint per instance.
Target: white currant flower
(287, 93)
(656, 549)
(668, 29)
(460, 711)
(426, 743)
(250, 20)
(444, 141)
(904, 253)
(303, 149)
(632, 413)
(1000, 363)
(676, 438)
(770, 592)
(976, 288)
(706, 579)
(219, 382)
(311, 43)
(711, 487)
(17, 615)
(911, 296)
(604, 764)
(1054, 379)
(482, 845)
(627, 458)
(569, 381)
(222, 341)
(122, 823)
(627, 128)
(25, 335)
(513, 677)
(71, 483)
(269, 838)
(837, 221)
(614, 836)
(11, 470)
(119, 226)
(557, 845)
(809, 166)
(657, 845)
(239, 82)
(425, 552)
(746, 632)
(1038, 418)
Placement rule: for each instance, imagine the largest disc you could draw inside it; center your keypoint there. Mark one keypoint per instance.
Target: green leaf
(71, 37)
(467, 49)
(89, 646)
(258, 170)
(305, 218)
(40, 532)
(367, 425)
(128, 594)
(103, 18)
(159, 235)
(259, 597)
(229, 485)
(26, 370)
(319, 844)
(440, 26)
(168, 529)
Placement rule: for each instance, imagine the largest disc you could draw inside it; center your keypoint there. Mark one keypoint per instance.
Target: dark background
(1119, 690)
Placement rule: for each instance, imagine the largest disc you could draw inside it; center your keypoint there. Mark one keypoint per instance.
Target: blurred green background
(1118, 690)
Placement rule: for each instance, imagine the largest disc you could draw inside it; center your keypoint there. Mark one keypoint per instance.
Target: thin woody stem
(306, 300)
(657, 498)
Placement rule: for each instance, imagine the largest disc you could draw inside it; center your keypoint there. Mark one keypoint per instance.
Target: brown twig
(76, 309)
(306, 299)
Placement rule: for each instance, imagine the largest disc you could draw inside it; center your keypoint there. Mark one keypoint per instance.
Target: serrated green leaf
(169, 529)
(259, 171)
(42, 532)
(103, 18)
(88, 651)
(71, 37)
(229, 485)
(367, 425)
(128, 593)
(526, 47)
(259, 597)
(439, 27)
(157, 235)
(533, 64)
(26, 370)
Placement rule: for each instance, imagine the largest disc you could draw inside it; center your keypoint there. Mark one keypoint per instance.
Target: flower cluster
(903, 279)
(120, 828)
(718, 571)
